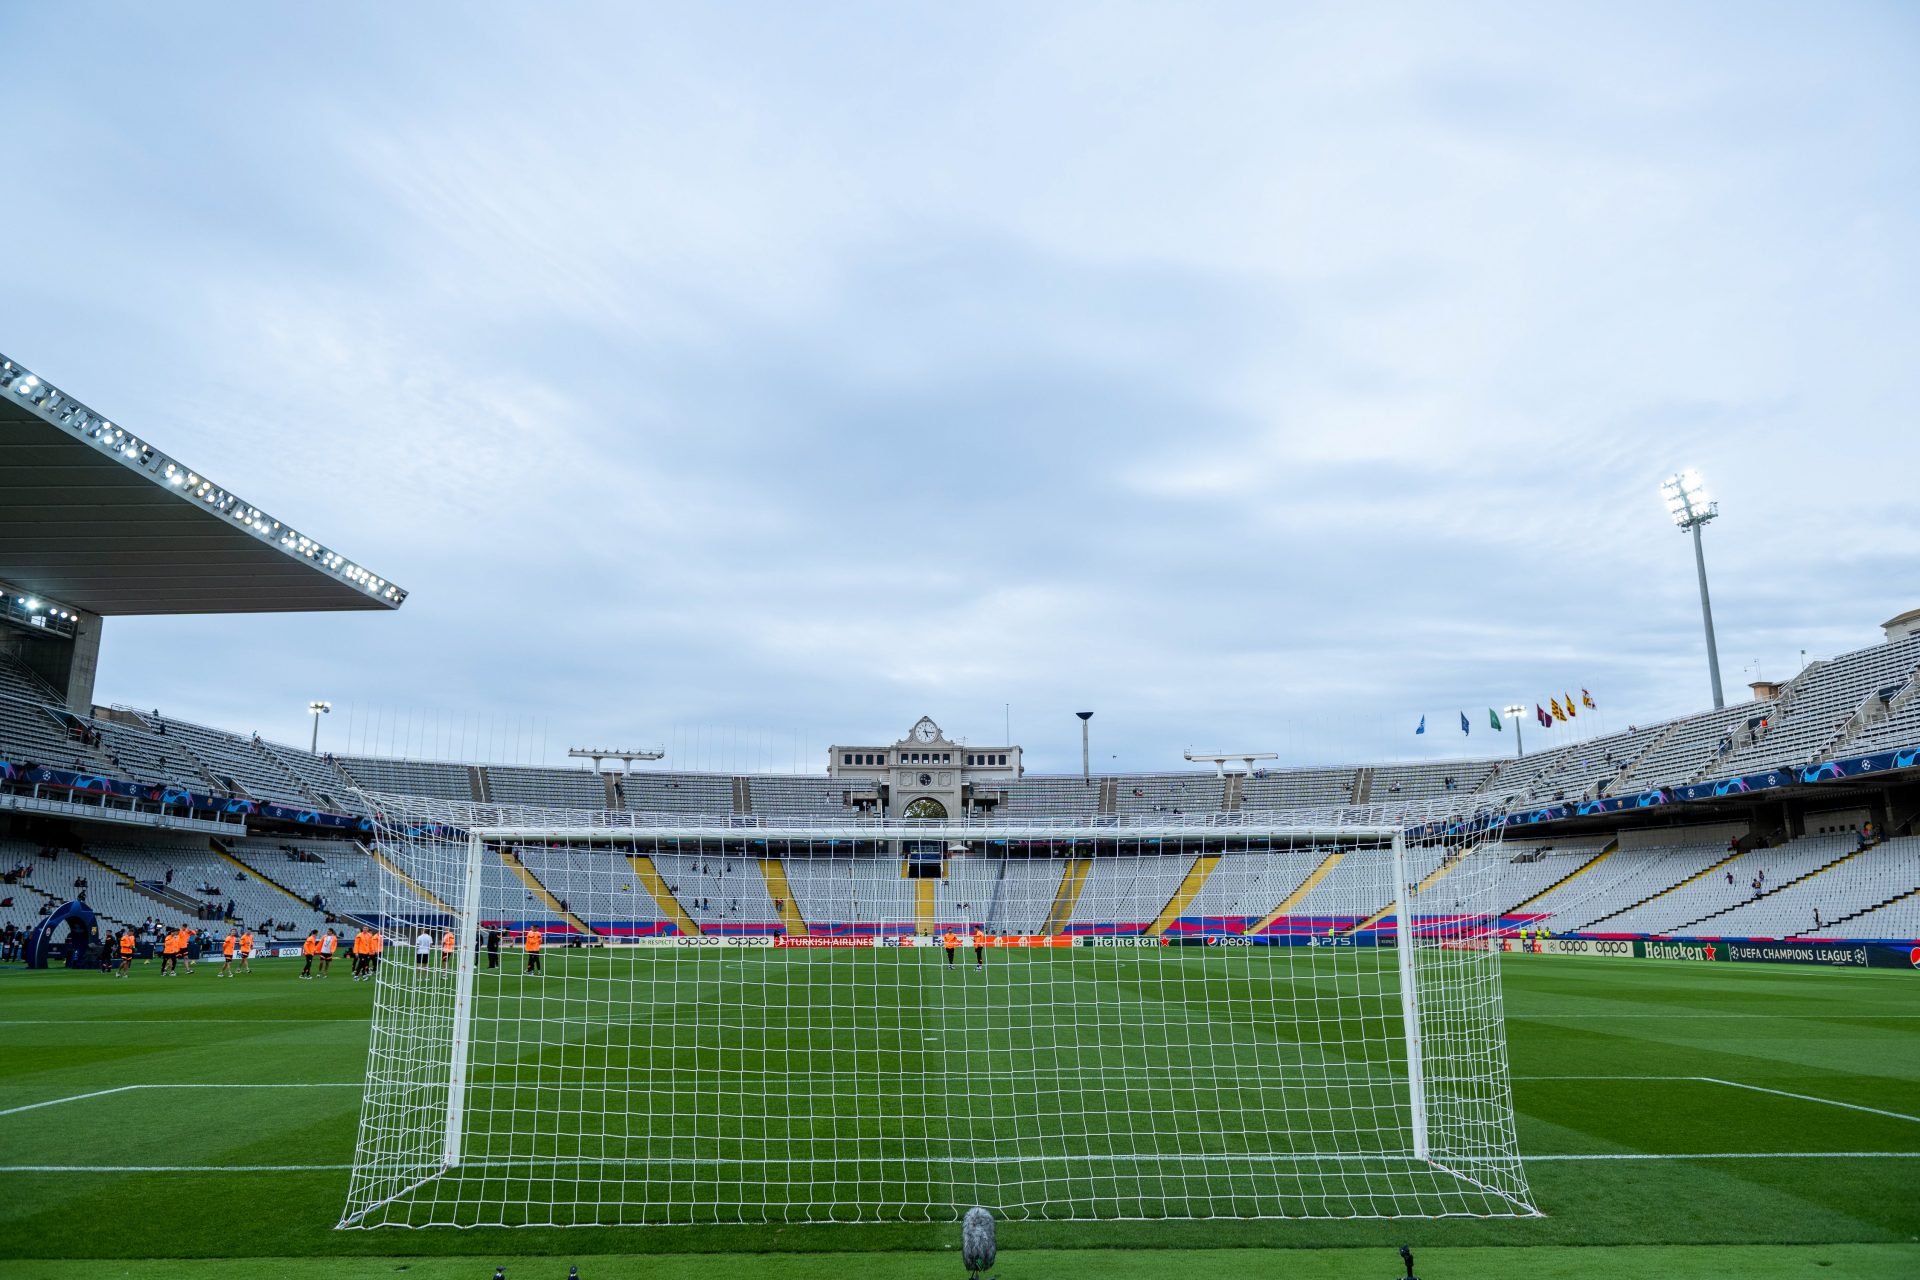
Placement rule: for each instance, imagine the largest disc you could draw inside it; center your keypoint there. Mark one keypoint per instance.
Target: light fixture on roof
(317, 709)
(1516, 714)
(1691, 508)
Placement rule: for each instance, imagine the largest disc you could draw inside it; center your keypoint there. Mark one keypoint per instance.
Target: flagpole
(1519, 745)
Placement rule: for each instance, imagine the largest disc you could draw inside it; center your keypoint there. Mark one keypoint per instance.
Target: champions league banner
(1807, 775)
(168, 796)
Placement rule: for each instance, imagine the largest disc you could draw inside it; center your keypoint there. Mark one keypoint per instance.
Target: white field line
(1735, 1084)
(881, 1160)
(126, 1088)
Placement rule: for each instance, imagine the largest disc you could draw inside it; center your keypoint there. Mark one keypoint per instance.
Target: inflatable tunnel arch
(67, 933)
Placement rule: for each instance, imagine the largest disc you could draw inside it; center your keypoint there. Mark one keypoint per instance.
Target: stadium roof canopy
(95, 517)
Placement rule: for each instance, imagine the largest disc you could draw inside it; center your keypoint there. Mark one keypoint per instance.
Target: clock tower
(926, 774)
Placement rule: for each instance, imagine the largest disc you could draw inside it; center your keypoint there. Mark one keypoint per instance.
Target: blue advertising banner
(168, 796)
(1826, 771)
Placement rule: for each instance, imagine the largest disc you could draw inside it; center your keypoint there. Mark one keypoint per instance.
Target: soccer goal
(624, 1020)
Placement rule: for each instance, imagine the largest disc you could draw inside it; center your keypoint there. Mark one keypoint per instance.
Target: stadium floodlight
(597, 754)
(1086, 769)
(1516, 714)
(91, 427)
(316, 710)
(764, 1024)
(1218, 759)
(1691, 509)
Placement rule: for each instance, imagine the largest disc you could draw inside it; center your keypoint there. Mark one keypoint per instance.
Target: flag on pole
(1423, 725)
(1586, 700)
(1558, 714)
(1464, 726)
(1493, 720)
(1546, 721)
(1570, 711)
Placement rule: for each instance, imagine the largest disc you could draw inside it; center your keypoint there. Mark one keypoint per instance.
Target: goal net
(616, 1019)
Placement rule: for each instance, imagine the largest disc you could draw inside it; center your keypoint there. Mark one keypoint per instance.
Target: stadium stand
(1814, 707)
(721, 895)
(1119, 888)
(1691, 748)
(559, 788)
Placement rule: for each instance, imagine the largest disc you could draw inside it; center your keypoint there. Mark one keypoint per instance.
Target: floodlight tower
(1691, 508)
(1086, 766)
(316, 710)
(1515, 714)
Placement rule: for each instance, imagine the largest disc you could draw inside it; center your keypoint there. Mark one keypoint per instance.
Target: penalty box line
(129, 1088)
(1754, 1088)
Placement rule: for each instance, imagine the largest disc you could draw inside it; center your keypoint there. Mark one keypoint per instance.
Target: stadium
(1185, 1011)
(728, 642)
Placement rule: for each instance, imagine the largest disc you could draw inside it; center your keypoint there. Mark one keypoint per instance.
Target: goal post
(820, 1020)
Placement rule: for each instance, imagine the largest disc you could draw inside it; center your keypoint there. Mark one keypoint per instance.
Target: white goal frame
(1490, 1164)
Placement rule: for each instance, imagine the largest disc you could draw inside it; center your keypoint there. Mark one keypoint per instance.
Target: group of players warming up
(178, 950)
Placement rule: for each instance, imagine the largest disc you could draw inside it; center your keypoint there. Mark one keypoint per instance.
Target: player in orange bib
(170, 953)
(309, 948)
(446, 950)
(227, 947)
(951, 941)
(126, 953)
(979, 949)
(533, 952)
(246, 951)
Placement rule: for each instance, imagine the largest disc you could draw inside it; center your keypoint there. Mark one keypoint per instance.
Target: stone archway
(925, 808)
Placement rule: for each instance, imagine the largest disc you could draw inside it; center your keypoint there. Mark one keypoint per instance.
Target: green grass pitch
(1677, 1119)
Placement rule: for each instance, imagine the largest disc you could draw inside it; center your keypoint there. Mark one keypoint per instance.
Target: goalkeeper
(979, 949)
(951, 941)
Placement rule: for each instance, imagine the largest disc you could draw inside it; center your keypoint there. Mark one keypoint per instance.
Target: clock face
(926, 731)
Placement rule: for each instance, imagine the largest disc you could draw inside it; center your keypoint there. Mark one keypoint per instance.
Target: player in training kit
(533, 951)
(951, 941)
(446, 950)
(327, 945)
(376, 947)
(169, 953)
(126, 953)
(979, 949)
(423, 948)
(309, 948)
(359, 950)
(227, 945)
(246, 951)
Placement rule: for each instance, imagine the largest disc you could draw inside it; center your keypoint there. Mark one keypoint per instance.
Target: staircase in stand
(1612, 848)
(1779, 888)
(781, 891)
(1427, 881)
(1855, 915)
(225, 853)
(1072, 881)
(1232, 788)
(1293, 899)
(1190, 887)
(662, 893)
(1718, 866)
(540, 891)
(1362, 786)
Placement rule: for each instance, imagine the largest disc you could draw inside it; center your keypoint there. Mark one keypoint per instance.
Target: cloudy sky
(742, 379)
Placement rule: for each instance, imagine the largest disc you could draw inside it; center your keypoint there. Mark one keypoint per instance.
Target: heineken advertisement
(1836, 955)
